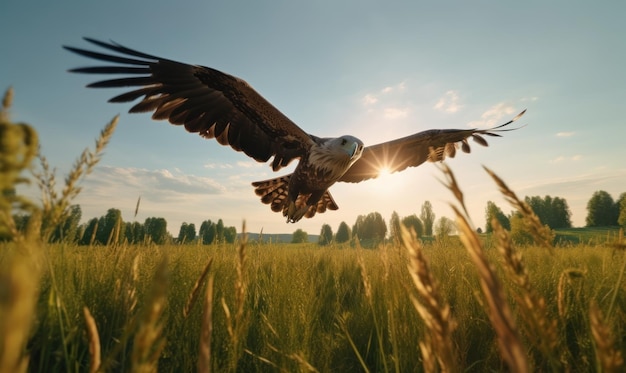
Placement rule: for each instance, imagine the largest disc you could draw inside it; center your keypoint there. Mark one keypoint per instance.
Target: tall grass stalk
(18, 295)
(432, 309)
(206, 331)
(498, 309)
(539, 328)
(237, 323)
(94, 341)
(149, 341)
(195, 291)
(542, 234)
(608, 357)
(55, 206)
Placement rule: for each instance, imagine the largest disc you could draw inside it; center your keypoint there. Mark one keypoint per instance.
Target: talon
(293, 213)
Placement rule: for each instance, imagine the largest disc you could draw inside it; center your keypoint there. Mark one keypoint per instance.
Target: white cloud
(108, 181)
(369, 99)
(221, 166)
(449, 102)
(562, 158)
(493, 116)
(385, 102)
(374, 98)
(565, 134)
(250, 164)
(396, 113)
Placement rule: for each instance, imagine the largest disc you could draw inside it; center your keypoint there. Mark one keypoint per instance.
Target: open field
(465, 303)
(303, 308)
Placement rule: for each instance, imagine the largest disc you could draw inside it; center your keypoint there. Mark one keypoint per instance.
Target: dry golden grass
(298, 308)
(18, 295)
(438, 349)
(542, 234)
(499, 311)
(538, 327)
(610, 358)
(94, 341)
(195, 291)
(204, 347)
(149, 341)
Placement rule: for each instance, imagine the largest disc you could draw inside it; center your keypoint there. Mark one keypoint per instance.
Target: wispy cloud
(108, 181)
(493, 116)
(396, 113)
(374, 97)
(565, 134)
(369, 99)
(449, 102)
(385, 102)
(562, 158)
(221, 166)
(250, 164)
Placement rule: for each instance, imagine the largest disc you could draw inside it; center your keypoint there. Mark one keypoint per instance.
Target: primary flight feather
(226, 108)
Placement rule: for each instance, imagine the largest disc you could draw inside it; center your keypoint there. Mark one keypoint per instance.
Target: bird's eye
(343, 141)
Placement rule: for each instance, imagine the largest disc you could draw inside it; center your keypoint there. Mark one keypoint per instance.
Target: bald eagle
(225, 108)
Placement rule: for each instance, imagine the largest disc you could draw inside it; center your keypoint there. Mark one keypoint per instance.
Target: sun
(384, 171)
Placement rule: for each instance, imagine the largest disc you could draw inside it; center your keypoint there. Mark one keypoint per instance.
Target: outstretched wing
(411, 151)
(204, 100)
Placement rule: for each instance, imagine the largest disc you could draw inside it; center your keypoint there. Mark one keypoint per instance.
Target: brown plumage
(226, 108)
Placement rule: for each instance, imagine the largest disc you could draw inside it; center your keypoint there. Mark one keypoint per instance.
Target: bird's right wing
(203, 100)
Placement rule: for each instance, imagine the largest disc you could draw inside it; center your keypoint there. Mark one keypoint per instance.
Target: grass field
(465, 303)
(304, 308)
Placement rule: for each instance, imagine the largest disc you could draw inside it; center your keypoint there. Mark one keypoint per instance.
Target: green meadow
(299, 307)
(470, 302)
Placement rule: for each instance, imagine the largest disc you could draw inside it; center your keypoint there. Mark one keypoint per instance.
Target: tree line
(112, 229)
(371, 229)
(554, 212)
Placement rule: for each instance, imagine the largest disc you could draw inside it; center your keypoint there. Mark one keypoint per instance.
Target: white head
(347, 144)
(336, 155)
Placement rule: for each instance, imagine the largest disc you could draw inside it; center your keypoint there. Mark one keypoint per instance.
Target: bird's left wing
(203, 100)
(411, 151)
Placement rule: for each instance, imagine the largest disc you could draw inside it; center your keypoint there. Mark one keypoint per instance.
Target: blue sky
(376, 70)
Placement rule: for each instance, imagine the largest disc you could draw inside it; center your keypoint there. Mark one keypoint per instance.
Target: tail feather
(274, 192)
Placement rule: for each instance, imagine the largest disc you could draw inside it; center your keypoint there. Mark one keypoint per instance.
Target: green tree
(326, 235)
(371, 227)
(427, 217)
(601, 210)
(519, 233)
(493, 211)
(394, 227)
(343, 233)
(134, 232)
(67, 229)
(89, 234)
(156, 230)
(230, 234)
(219, 228)
(444, 228)
(299, 236)
(187, 233)
(206, 233)
(553, 212)
(110, 228)
(413, 222)
(621, 202)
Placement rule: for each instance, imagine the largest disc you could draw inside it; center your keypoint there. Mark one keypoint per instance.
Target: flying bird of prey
(221, 106)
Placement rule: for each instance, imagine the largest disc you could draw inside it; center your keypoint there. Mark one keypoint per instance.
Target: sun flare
(384, 172)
